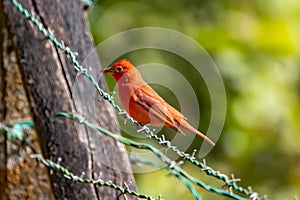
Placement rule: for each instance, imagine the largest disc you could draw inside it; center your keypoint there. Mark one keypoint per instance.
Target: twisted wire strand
(98, 182)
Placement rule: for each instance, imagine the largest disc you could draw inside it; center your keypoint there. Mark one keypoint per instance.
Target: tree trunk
(49, 79)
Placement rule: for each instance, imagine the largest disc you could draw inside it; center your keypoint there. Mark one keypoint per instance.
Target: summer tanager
(143, 104)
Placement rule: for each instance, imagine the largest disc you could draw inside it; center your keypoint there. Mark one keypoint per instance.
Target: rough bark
(21, 177)
(49, 79)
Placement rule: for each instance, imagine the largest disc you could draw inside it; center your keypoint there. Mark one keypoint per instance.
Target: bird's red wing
(152, 96)
(177, 115)
(156, 106)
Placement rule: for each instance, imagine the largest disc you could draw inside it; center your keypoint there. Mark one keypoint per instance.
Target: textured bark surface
(21, 177)
(49, 80)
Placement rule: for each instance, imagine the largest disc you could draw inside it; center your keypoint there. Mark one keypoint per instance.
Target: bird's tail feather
(188, 127)
(204, 137)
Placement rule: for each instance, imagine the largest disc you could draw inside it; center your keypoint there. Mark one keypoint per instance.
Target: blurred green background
(256, 46)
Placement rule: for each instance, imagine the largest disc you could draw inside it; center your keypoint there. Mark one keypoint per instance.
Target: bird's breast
(131, 105)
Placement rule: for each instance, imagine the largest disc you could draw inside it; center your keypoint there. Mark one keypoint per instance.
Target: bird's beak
(108, 71)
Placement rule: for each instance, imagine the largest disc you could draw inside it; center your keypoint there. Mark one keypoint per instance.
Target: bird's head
(119, 68)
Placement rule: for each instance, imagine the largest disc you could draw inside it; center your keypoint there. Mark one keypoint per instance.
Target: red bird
(143, 104)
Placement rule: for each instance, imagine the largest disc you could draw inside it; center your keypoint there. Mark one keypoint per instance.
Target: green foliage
(256, 46)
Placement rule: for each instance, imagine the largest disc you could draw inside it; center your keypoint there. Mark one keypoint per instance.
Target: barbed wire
(98, 182)
(16, 133)
(87, 2)
(231, 183)
(172, 166)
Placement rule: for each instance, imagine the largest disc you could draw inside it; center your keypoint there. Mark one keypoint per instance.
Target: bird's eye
(119, 69)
